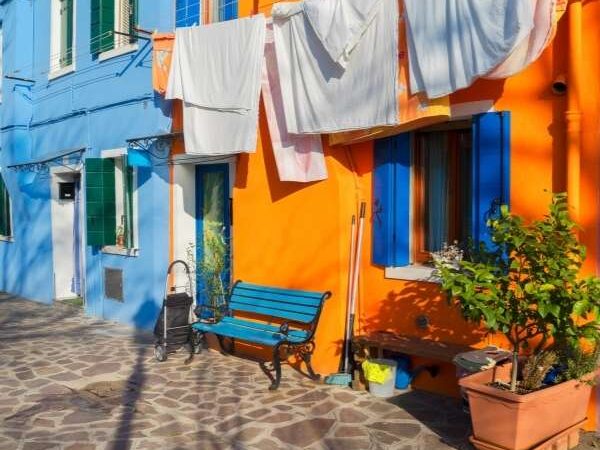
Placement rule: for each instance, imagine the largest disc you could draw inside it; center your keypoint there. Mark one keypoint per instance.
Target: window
(195, 12)
(441, 190)
(63, 32)
(111, 202)
(438, 186)
(228, 10)
(188, 13)
(113, 24)
(5, 219)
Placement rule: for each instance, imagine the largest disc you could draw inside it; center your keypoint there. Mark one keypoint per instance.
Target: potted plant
(120, 233)
(527, 287)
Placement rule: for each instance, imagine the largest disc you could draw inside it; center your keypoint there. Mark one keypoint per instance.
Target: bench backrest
(287, 304)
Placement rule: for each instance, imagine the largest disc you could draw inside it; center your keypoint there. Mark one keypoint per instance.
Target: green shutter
(66, 44)
(128, 203)
(4, 210)
(133, 19)
(102, 25)
(100, 201)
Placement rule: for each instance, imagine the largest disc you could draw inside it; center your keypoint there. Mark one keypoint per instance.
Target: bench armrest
(284, 328)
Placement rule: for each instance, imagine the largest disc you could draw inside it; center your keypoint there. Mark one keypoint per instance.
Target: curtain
(435, 162)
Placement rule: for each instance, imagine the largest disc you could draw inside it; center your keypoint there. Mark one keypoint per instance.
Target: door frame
(57, 174)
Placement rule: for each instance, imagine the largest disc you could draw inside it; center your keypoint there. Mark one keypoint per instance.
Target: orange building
(297, 235)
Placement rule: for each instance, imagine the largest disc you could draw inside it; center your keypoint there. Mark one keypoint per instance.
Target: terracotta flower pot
(518, 422)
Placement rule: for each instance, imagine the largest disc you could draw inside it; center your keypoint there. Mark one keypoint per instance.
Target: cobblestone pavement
(71, 382)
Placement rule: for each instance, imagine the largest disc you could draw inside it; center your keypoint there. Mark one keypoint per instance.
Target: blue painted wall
(98, 106)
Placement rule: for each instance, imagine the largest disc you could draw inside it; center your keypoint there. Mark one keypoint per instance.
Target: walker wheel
(160, 353)
(196, 343)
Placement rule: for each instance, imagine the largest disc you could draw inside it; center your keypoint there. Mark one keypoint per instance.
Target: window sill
(61, 72)
(114, 250)
(119, 51)
(412, 273)
(6, 239)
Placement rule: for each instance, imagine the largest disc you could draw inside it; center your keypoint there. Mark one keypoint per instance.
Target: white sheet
(298, 157)
(530, 49)
(216, 71)
(339, 24)
(319, 94)
(453, 42)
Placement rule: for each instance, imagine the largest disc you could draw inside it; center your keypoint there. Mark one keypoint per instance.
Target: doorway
(213, 232)
(67, 234)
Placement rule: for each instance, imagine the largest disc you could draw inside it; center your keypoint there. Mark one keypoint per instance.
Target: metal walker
(173, 327)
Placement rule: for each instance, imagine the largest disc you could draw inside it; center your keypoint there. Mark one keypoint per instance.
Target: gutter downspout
(573, 114)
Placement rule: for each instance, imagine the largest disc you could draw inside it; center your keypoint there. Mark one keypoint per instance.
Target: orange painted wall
(297, 235)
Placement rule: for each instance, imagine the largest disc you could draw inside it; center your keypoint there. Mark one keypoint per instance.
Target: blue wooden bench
(288, 321)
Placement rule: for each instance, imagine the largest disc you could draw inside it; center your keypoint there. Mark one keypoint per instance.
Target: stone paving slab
(71, 382)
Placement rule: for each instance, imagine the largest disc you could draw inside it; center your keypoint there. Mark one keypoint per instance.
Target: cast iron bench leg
(306, 356)
(277, 367)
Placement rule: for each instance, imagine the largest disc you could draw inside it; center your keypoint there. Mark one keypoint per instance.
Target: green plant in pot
(211, 272)
(527, 286)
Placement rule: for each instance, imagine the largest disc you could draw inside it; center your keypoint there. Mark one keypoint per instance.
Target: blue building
(77, 218)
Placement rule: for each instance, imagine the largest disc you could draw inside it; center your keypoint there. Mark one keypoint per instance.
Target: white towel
(357, 90)
(216, 71)
(298, 157)
(453, 42)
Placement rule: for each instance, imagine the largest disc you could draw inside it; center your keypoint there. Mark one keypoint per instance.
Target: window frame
(56, 69)
(391, 231)
(202, 14)
(419, 254)
(220, 9)
(121, 45)
(120, 157)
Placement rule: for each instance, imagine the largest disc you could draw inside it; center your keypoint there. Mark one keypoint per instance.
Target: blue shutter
(187, 13)
(491, 169)
(391, 201)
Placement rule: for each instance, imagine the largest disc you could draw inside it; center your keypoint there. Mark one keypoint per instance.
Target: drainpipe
(573, 113)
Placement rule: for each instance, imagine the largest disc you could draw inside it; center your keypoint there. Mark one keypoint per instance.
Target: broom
(345, 377)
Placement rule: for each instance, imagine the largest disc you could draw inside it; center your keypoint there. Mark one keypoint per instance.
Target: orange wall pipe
(573, 113)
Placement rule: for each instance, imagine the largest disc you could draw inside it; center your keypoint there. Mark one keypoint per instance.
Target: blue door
(213, 236)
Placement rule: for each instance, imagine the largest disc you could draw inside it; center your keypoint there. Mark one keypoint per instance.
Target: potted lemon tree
(528, 287)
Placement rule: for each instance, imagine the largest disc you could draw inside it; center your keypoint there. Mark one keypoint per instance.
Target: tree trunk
(514, 371)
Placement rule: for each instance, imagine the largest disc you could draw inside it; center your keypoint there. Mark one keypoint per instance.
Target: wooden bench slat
(282, 291)
(276, 297)
(411, 345)
(294, 333)
(278, 313)
(275, 306)
(245, 333)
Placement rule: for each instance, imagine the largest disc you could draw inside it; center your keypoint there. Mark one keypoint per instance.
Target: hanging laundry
(453, 42)
(298, 157)
(325, 94)
(545, 20)
(414, 111)
(162, 50)
(339, 24)
(216, 71)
